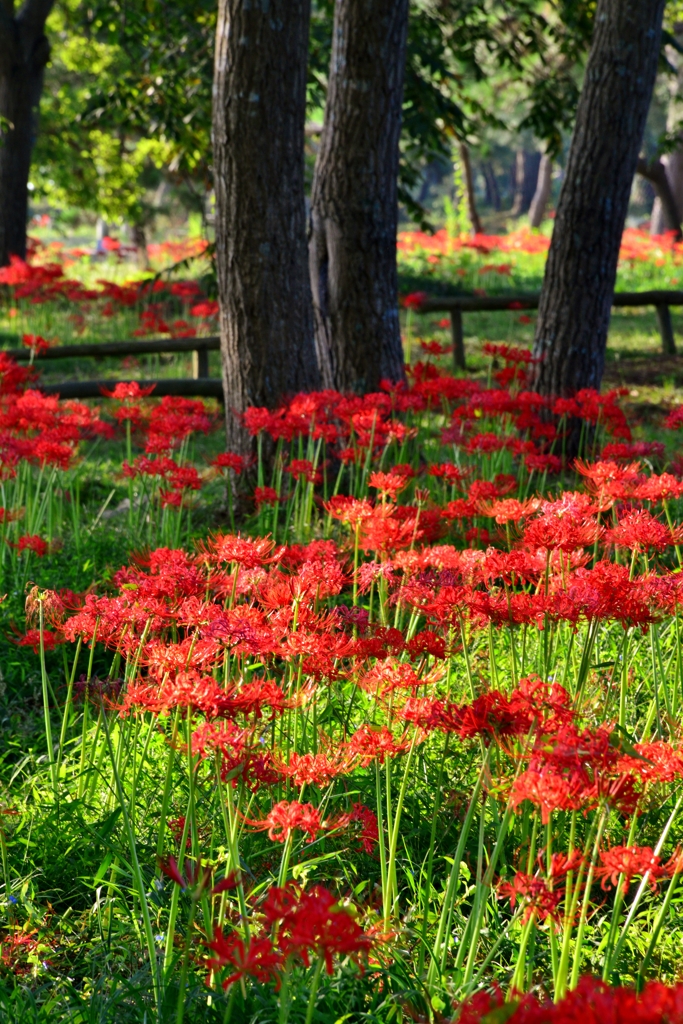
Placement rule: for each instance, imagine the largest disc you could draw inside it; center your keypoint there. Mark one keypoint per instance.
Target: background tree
(576, 298)
(24, 52)
(354, 202)
(258, 148)
(116, 121)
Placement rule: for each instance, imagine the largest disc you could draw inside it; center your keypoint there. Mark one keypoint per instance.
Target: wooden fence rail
(459, 304)
(200, 385)
(203, 386)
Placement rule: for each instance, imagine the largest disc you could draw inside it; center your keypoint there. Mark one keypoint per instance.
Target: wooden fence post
(666, 330)
(458, 343)
(200, 363)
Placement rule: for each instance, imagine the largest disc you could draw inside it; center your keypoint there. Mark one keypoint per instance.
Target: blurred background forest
(124, 141)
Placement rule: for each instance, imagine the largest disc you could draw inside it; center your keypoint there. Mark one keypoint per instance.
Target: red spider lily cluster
(294, 923)
(175, 308)
(430, 613)
(592, 1002)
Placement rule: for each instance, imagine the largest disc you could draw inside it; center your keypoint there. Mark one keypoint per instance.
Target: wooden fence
(202, 386)
(459, 304)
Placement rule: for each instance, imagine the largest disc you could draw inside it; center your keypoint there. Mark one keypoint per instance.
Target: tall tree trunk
(664, 218)
(259, 107)
(138, 236)
(24, 52)
(542, 193)
(576, 298)
(354, 204)
(492, 190)
(472, 211)
(526, 173)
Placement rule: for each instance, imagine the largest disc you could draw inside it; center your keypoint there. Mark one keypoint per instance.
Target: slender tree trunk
(259, 108)
(492, 190)
(139, 238)
(542, 193)
(526, 173)
(472, 211)
(668, 213)
(354, 205)
(576, 298)
(24, 52)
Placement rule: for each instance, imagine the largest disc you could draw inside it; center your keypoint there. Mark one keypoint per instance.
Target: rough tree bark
(472, 212)
(259, 107)
(542, 193)
(24, 52)
(354, 203)
(576, 298)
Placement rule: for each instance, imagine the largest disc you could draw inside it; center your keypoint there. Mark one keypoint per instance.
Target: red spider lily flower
(623, 451)
(591, 1002)
(258, 420)
(32, 639)
(447, 471)
(562, 863)
(388, 484)
(348, 509)
(675, 418)
(230, 460)
(312, 769)
(247, 552)
(659, 488)
(538, 897)
(258, 958)
(434, 348)
(629, 861)
(640, 531)
(368, 744)
(550, 791)
(287, 816)
(565, 524)
(265, 496)
(181, 329)
(543, 463)
(506, 510)
(414, 300)
(170, 499)
(126, 391)
(14, 948)
(32, 542)
(303, 469)
(35, 343)
(323, 927)
(206, 309)
(185, 290)
(313, 922)
(653, 762)
(508, 353)
(173, 420)
(369, 832)
(390, 528)
(185, 477)
(610, 479)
